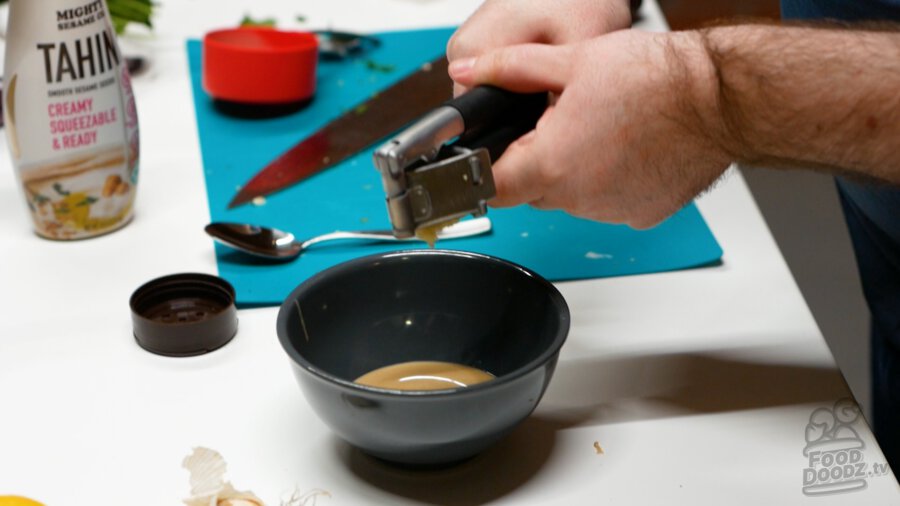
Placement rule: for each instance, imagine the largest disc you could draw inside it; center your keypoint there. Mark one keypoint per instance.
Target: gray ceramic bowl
(437, 305)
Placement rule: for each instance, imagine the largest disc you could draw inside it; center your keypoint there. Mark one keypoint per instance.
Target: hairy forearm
(826, 98)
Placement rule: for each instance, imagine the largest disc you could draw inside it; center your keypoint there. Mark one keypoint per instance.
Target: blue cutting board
(350, 197)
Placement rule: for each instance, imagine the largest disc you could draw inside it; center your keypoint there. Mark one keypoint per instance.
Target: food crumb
(379, 67)
(259, 201)
(598, 448)
(593, 255)
(364, 220)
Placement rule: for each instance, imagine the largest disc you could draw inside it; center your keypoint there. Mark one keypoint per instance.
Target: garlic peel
(208, 485)
(309, 498)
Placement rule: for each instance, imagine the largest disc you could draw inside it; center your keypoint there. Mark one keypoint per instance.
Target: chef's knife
(360, 127)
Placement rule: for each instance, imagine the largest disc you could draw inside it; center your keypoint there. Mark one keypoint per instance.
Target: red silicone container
(260, 65)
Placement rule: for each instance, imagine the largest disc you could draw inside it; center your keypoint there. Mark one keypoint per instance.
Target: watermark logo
(835, 452)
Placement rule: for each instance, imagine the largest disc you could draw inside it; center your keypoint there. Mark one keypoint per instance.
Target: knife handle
(495, 117)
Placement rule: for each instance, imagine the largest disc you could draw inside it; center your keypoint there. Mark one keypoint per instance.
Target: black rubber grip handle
(495, 117)
(485, 105)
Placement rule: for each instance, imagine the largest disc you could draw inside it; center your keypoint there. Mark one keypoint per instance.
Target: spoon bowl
(274, 244)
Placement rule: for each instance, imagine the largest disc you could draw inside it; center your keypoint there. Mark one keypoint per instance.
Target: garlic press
(439, 168)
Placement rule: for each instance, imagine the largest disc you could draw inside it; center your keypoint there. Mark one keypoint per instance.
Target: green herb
(59, 189)
(86, 201)
(124, 12)
(301, 19)
(361, 108)
(379, 67)
(39, 199)
(248, 21)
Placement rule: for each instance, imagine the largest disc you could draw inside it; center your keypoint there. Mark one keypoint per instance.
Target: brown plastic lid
(184, 314)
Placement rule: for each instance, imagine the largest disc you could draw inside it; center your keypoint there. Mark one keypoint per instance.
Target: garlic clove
(208, 485)
(239, 502)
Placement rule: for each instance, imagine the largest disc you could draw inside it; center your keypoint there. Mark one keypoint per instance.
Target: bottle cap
(183, 315)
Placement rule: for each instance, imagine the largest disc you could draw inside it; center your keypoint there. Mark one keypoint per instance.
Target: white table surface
(698, 384)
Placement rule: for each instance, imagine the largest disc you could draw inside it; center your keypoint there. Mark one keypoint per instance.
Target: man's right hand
(632, 136)
(500, 23)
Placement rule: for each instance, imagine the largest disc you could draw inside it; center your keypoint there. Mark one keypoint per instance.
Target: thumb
(524, 68)
(515, 173)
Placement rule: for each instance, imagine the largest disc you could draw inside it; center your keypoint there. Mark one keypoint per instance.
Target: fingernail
(462, 68)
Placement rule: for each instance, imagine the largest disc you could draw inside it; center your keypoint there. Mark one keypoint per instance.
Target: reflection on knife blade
(362, 126)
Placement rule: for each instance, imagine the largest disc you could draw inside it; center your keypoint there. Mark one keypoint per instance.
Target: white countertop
(698, 384)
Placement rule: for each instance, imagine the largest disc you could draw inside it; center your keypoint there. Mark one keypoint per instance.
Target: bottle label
(70, 115)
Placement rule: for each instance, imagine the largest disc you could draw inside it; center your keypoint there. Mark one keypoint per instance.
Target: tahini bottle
(70, 117)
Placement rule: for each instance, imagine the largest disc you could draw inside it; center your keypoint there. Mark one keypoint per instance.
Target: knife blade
(362, 126)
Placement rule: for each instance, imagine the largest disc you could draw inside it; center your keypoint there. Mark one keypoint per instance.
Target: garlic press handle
(494, 117)
(439, 168)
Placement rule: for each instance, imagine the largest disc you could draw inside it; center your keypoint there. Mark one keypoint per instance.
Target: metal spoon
(275, 244)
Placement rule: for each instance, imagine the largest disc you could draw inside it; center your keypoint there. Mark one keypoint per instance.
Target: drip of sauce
(424, 375)
(429, 233)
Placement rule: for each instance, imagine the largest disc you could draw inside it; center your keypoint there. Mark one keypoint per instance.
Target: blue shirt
(845, 10)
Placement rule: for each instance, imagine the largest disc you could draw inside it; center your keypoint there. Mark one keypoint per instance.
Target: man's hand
(501, 23)
(644, 122)
(631, 137)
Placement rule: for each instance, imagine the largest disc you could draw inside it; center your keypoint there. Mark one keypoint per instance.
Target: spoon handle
(465, 228)
(460, 229)
(377, 235)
